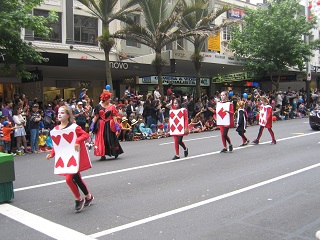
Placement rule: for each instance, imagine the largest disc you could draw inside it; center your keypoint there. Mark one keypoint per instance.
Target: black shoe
(243, 144)
(255, 141)
(230, 148)
(175, 157)
(224, 150)
(88, 201)
(103, 158)
(247, 142)
(116, 156)
(186, 152)
(79, 205)
(274, 142)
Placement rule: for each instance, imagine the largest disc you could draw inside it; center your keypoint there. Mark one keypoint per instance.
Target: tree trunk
(108, 71)
(158, 63)
(197, 65)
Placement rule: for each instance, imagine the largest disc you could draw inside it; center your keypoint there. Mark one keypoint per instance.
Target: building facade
(73, 59)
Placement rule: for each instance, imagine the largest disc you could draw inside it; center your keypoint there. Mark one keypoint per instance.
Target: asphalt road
(256, 192)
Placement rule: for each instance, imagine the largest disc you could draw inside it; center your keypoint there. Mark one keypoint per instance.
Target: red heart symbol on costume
(59, 163)
(72, 162)
(56, 139)
(68, 137)
(262, 114)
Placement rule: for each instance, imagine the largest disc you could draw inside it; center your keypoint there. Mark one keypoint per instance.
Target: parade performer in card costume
(105, 125)
(265, 120)
(242, 123)
(224, 115)
(179, 126)
(71, 155)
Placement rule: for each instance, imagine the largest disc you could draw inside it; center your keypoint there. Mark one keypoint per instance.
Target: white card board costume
(177, 121)
(223, 118)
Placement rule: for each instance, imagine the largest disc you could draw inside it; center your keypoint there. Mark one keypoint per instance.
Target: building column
(69, 22)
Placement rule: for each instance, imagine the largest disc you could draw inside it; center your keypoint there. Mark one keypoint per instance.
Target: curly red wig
(105, 96)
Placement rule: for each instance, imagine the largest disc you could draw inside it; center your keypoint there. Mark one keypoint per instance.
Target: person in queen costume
(265, 120)
(71, 155)
(224, 115)
(179, 126)
(105, 125)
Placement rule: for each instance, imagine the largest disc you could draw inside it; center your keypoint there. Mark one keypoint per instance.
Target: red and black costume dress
(106, 142)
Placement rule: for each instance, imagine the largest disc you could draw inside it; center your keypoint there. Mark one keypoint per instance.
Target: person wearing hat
(125, 128)
(34, 124)
(83, 94)
(80, 115)
(105, 126)
(49, 117)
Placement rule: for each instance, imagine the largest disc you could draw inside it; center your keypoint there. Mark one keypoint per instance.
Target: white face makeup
(62, 115)
(224, 96)
(175, 104)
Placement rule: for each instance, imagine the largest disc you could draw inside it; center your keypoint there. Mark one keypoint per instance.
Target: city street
(256, 192)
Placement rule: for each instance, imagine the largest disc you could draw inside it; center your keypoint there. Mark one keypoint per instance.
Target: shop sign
(84, 84)
(190, 81)
(53, 59)
(235, 13)
(119, 65)
(214, 43)
(234, 77)
(36, 76)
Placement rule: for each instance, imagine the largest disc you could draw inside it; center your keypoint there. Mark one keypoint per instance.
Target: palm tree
(202, 19)
(161, 28)
(105, 10)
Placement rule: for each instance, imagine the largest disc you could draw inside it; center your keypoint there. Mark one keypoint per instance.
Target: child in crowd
(125, 128)
(2, 119)
(42, 141)
(7, 130)
(74, 180)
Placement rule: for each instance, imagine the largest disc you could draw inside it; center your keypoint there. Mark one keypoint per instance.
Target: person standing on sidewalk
(34, 123)
(224, 114)
(75, 180)
(265, 120)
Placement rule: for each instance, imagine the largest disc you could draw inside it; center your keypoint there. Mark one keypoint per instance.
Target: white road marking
(60, 232)
(199, 204)
(40, 224)
(188, 140)
(156, 164)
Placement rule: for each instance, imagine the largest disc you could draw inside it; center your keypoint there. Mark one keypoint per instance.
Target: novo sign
(119, 65)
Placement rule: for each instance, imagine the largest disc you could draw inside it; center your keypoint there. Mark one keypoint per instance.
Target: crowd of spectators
(140, 116)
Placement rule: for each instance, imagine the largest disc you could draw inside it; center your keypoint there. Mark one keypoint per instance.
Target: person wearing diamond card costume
(178, 123)
(71, 155)
(224, 115)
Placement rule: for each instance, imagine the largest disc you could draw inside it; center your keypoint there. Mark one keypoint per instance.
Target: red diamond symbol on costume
(176, 121)
(221, 113)
(172, 115)
(172, 128)
(180, 114)
(180, 128)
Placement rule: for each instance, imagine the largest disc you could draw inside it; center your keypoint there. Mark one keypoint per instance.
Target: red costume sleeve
(81, 135)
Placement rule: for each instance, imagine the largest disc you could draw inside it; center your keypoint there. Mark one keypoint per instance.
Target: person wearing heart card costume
(179, 126)
(71, 155)
(106, 125)
(265, 120)
(224, 115)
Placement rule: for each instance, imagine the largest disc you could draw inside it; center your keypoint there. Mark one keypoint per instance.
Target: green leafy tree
(14, 51)
(271, 38)
(201, 19)
(161, 27)
(106, 11)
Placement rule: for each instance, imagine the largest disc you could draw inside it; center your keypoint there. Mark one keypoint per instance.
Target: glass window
(136, 19)
(85, 30)
(226, 35)
(55, 34)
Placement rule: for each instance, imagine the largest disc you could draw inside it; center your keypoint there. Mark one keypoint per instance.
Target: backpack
(47, 120)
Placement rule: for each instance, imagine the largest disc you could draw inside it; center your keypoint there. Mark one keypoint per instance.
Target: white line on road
(199, 204)
(188, 140)
(60, 232)
(154, 164)
(40, 224)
